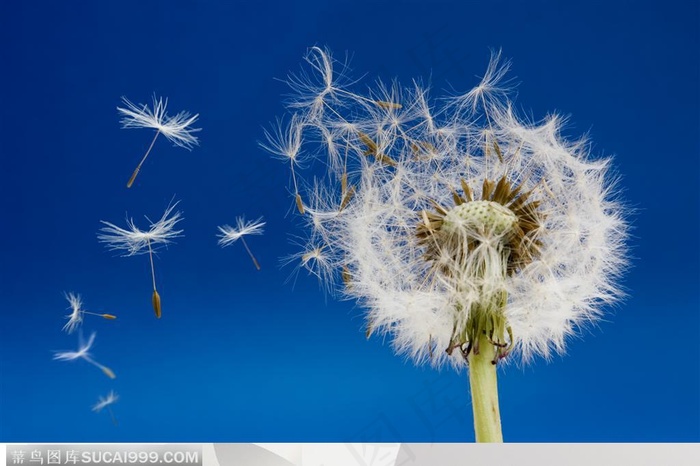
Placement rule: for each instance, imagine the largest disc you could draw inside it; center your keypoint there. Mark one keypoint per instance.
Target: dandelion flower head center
(485, 240)
(475, 246)
(487, 216)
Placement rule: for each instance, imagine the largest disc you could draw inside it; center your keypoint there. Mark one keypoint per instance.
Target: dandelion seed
(492, 91)
(344, 183)
(177, 129)
(367, 141)
(106, 402)
(478, 234)
(423, 149)
(75, 318)
(315, 89)
(388, 105)
(347, 198)
(83, 352)
(347, 276)
(230, 235)
(134, 241)
(373, 150)
(315, 261)
(300, 204)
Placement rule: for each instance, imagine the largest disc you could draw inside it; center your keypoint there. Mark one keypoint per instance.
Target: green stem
(484, 389)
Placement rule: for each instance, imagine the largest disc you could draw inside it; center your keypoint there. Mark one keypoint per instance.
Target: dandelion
(134, 241)
(105, 402)
(177, 129)
(75, 318)
(470, 235)
(230, 235)
(83, 352)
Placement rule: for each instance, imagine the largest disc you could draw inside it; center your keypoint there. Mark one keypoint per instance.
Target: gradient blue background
(241, 356)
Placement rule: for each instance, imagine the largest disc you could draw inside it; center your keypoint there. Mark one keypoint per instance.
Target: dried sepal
(487, 189)
(467, 190)
(458, 200)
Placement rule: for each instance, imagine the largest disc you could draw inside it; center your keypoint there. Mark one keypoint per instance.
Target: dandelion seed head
(461, 211)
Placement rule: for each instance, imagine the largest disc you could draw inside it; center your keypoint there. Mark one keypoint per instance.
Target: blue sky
(240, 355)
